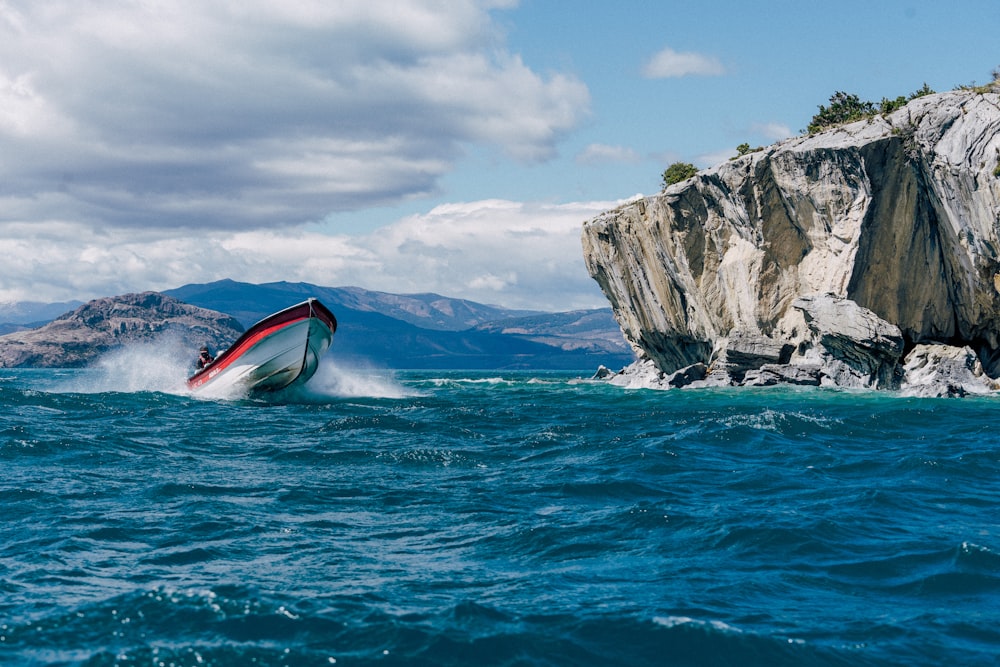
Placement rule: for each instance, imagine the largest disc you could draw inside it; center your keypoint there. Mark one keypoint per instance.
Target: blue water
(492, 519)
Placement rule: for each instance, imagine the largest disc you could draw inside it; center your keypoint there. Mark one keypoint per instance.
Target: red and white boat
(280, 350)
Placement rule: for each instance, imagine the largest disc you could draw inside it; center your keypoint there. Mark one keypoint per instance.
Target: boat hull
(279, 351)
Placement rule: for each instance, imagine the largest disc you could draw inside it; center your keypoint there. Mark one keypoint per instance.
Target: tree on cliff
(847, 108)
(677, 172)
(844, 108)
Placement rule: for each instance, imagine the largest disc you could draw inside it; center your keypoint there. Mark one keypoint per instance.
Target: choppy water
(492, 519)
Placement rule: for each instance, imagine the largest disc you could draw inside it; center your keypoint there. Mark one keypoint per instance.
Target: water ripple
(495, 520)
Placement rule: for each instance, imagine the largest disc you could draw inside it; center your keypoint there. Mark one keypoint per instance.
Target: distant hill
(429, 330)
(593, 330)
(8, 327)
(249, 303)
(31, 314)
(79, 337)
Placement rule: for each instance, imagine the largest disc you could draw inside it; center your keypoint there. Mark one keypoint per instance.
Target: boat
(281, 350)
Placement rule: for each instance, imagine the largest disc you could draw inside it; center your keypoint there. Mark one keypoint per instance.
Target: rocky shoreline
(853, 348)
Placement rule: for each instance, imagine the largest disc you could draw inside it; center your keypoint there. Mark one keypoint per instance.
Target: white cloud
(772, 131)
(252, 114)
(604, 154)
(524, 255)
(149, 145)
(669, 64)
(706, 160)
(493, 251)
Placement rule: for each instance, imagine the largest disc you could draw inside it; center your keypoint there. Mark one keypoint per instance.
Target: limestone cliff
(894, 220)
(80, 336)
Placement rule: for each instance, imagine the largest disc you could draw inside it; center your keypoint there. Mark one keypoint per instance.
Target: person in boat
(204, 358)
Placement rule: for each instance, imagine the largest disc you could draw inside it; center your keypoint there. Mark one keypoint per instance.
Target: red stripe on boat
(229, 356)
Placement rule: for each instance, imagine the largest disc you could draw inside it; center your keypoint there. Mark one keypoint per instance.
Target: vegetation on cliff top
(677, 172)
(844, 108)
(847, 108)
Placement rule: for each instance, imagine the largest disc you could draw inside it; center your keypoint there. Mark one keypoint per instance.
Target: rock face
(79, 337)
(824, 259)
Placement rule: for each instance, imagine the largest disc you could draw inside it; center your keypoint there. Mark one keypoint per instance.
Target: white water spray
(160, 366)
(164, 366)
(333, 381)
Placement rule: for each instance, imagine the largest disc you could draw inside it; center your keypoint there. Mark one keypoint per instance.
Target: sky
(448, 146)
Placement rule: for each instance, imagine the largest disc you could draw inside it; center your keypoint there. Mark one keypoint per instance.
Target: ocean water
(449, 518)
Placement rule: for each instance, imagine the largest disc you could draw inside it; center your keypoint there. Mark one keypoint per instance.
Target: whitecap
(333, 381)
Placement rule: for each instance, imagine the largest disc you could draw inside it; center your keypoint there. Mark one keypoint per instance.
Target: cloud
(496, 251)
(604, 154)
(522, 255)
(711, 159)
(668, 64)
(772, 131)
(254, 114)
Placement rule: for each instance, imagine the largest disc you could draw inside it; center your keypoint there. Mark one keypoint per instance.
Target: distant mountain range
(31, 314)
(413, 331)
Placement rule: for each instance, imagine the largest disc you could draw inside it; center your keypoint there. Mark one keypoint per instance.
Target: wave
(238, 625)
(966, 570)
(334, 381)
(501, 522)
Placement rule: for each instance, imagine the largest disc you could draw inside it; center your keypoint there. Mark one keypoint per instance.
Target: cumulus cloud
(604, 154)
(253, 114)
(495, 251)
(669, 64)
(524, 255)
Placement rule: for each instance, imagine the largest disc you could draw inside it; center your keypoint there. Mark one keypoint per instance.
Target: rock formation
(79, 337)
(826, 259)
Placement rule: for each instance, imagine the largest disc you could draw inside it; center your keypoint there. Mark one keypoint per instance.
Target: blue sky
(405, 146)
(778, 62)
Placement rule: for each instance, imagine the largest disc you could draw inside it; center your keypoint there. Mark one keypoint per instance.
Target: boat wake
(160, 366)
(333, 381)
(164, 365)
